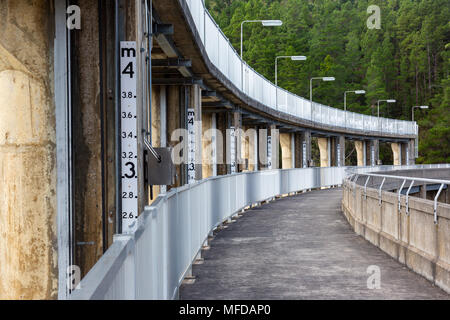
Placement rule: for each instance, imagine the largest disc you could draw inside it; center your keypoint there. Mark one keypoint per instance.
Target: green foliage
(406, 59)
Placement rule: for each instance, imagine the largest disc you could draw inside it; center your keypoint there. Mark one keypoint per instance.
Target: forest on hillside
(407, 59)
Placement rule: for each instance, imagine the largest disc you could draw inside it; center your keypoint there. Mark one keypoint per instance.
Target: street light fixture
(345, 101)
(293, 58)
(420, 107)
(378, 109)
(265, 23)
(311, 91)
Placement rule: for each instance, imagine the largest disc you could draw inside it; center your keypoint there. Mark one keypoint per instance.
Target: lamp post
(378, 109)
(345, 101)
(293, 58)
(415, 107)
(265, 23)
(311, 90)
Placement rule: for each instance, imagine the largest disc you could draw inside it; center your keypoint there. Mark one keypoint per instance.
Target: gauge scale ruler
(129, 146)
(191, 145)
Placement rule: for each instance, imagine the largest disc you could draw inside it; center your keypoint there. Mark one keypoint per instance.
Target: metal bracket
(435, 204)
(379, 191)
(150, 148)
(399, 194)
(407, 197)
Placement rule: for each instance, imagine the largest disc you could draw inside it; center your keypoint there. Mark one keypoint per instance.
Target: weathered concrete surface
(286, 154)
(300, 248)
(323, 147)
(28, 256)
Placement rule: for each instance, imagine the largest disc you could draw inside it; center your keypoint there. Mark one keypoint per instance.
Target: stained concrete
(300, 247)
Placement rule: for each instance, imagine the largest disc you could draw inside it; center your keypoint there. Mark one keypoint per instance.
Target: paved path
(300, 247)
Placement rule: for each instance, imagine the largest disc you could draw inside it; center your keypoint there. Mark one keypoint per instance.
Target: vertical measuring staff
(233, 150)
(129, 144)
(269, 152)
(191, 145)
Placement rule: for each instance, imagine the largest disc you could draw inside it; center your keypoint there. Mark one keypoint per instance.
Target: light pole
(345, 101)
(415, 107)
(293, 58)
(265, 23)
(311, 91)
(378, 109)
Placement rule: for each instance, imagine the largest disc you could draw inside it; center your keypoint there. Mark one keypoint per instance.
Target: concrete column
(286, 156)
(158, 99)
(292, 150)
(263, 133)
(372, 152)
(359, 145)
(208, 145)
(304, 149)
(222, 125)
(275, 134)
(237, 124)
(338, 151)
(324, 152)
(396, 151)
(411, 152)
(405, 153)
(176, 120)
(28, 241)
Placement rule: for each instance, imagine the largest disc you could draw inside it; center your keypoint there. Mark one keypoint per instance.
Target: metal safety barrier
(152, 262)
(401, 181)
(223, 55)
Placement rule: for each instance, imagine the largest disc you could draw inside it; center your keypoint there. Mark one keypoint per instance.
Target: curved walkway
(300, 247)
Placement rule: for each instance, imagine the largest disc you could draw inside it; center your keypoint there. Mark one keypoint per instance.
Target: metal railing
(401, 184)
(152, 262)
(222, 54)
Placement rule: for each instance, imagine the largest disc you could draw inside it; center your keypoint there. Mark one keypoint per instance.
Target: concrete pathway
(300, 247)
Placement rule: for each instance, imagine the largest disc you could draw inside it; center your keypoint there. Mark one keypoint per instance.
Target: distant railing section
(152, 262)
(227, 60)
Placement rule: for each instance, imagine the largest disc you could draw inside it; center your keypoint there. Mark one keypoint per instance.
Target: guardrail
(400, 186)
(222, 54)
(413, 230)
(152, 262)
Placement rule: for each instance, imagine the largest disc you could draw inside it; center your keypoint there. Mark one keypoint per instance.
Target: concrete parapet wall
(413, 239)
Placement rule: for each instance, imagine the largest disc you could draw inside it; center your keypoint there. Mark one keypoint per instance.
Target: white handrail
(223, 55)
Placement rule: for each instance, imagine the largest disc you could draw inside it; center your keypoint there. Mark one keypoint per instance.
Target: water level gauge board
(129, 136)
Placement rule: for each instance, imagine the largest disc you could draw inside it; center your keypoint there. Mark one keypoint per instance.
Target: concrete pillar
(286, 156)
(359, 145)
(237, 123)
(404, 153)
(324, 152)
(176, 120)
(293, 150)
(208, 145)
(263, 133)
(338, 151)
(275, 136)
(221, 151)
(411, 152)
(28, 241)
(304, 146)
(158, 98)
(372, 152)
(396, 151)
